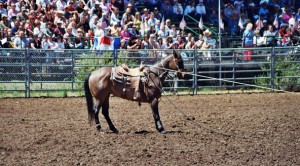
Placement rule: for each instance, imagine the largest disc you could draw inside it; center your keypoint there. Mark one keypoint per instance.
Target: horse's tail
(89, 99)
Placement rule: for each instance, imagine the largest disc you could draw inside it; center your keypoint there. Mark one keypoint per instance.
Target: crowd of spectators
(143, 24)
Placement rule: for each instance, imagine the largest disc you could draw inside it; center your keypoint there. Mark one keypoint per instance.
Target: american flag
(182, 23)
(259, 23)
(201, 23)
(275, 23)
(221, 24)
(162, 24)
(241, 23)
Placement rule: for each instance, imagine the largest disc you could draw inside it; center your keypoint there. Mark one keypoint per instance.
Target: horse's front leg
(155, 112)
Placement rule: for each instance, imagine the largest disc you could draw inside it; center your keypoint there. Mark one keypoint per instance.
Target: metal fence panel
(25, 71)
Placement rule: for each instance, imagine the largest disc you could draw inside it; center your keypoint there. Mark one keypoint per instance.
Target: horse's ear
(175, 53)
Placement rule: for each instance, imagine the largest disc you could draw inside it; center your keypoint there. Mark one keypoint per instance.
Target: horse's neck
(160, 68)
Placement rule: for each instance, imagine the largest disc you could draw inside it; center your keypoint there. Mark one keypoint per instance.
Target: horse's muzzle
(181, 74)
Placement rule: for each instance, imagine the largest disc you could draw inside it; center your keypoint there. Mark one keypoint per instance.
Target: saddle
(129, 78)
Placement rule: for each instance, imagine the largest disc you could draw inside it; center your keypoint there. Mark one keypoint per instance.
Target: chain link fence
(26, 72)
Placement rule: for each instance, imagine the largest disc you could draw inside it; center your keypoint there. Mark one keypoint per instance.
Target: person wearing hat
(157, 14)
(209, 43)
(59, 30)
(134, 31)
(79, 39)
(177, 11)
(85, 13)
(23, 16)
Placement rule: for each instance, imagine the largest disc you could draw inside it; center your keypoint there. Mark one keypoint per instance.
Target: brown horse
(99, 85)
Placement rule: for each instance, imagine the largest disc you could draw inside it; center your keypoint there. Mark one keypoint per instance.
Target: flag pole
(220, 24)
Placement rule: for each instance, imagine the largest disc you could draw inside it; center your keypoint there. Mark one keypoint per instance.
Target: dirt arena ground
(231, 129)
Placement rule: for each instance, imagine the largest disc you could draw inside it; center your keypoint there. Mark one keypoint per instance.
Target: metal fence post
(195, 73)
(27, 73)
(272, 74)
(73, 67)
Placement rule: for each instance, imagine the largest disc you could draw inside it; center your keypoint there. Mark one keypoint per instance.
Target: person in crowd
(151, 4)
(145, 42)
(157, 14)
(137, 20)
(190, 9)
(35, 43)
(180, 43)
(270, 36)
(209, 43)
(160, 43)
(37, 31)
(134, 31)
(263, 11)
(21, 41)
(12, 11)
(114, 16)
(177, 11)
(248, 41)
(3, 10)
(258, 40)
(151, 31)
(68, 38)
(60, 4)
(4, 23)
(263, 28)
(287, 38)
(201, 10)
(198, 44)
(169, 43)
(116, 4)
(190, 44)
(80, 39)
(125, 34)
(166, 9)
(115, 30)
(152, 20)
(145, 14)
(152, 42)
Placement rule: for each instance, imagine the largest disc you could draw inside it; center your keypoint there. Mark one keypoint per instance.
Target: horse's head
(178, 65)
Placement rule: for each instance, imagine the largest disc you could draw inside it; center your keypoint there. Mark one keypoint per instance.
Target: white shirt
(49, 45)
(188, 9)
(61, 5)
(200, 9)
(177, 9)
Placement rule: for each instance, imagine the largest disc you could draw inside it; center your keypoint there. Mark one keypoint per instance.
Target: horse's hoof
(101, 131)
(115, 131)
(163, 132)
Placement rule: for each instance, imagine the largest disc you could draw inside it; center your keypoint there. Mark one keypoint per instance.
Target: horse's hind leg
(105, 112)
(155, 112)
(97, 106)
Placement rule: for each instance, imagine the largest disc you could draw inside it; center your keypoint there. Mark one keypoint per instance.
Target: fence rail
(26, 71)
